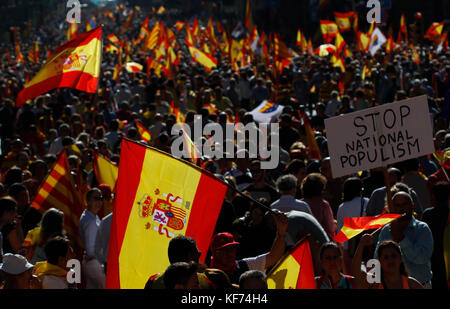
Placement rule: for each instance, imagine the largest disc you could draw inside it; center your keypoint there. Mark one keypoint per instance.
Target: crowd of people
(297, 199)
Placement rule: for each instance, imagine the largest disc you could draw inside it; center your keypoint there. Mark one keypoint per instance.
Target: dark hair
(7, 204)
(55, 248)
(313, 185)
(52, 224)
(329, 245)
(13, 175)
(218, 278)
(91, 192)
(179, 273)
(392, 244)
(16, 188)
(441, 192)
(252, 274)
(295, 166)
(352, 188)
(180, 248)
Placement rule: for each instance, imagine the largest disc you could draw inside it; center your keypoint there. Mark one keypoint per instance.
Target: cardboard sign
(379, 136)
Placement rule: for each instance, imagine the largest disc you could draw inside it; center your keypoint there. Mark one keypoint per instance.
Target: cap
(15, 264)
(222, 240)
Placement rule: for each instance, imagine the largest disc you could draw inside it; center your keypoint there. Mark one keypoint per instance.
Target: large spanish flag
(76, 64)
(59, 191)
(158, 197)
(355, 226)
(294, 271)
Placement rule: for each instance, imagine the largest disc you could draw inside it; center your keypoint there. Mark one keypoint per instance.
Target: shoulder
(414, 284)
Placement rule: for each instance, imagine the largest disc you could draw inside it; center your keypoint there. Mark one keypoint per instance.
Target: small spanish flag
(294, 271)
(343, 20)
(314, 151)
(105, 171)
(203, 58)
(113, 39)
(133, 67)
(329, 30)
(145, 134)
(161, 10)
(355, 226)
(158, 197)
(76, 64)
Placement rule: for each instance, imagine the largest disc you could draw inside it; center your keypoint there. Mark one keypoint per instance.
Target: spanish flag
(161, 10)
(19, 55)
(145, 134)
(403, 32)
(329, 30)
(248, 17)
(434, 32)
(72, 31)
(113, 39)
(133, 67)
(33, 54)
(158, 197)
(59, 191)
(203, 58)
(294, 271)
(76, 64)
(343, 20)
(105, 171)
(355, 226)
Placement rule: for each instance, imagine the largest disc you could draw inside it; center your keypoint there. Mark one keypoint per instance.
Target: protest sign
(379, 136)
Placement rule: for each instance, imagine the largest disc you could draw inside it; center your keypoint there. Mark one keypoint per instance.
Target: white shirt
(288, 203)
(102, 239)
(257, 263)
(89, 224)
(56, 146)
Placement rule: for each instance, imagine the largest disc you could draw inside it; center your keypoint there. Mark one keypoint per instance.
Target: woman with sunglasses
(394, 275)
(331, 262)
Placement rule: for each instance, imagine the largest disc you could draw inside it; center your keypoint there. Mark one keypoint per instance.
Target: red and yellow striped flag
(145, 134)
(33, 54)
(105, 171)
(403, 32)
(76, 64)
(355, 226)
(314, 151)
(294, 271)
(158, 197)
(329, 30)
(248, 17)
(59, 191)
(434, 33)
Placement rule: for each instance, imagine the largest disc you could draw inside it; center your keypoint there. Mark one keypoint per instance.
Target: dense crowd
(297, 199)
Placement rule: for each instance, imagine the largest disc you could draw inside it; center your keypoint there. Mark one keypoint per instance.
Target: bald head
(402, 203)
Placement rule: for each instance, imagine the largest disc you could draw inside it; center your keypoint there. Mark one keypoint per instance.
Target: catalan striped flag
(314, 151)
(154, 38)
(294, 271)
(355, 226)
(75, 64)
(59, 191)
(144, 32)
(145, 134)
(33, 54)
(105, 171)
(158, 197)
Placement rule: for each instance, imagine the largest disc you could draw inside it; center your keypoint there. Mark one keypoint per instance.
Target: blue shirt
(89, 224)
(417, 248)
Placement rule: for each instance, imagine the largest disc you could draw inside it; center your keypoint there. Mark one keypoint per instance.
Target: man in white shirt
(57, 145)
(287, 186)
(102, 240)
(89, 225)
